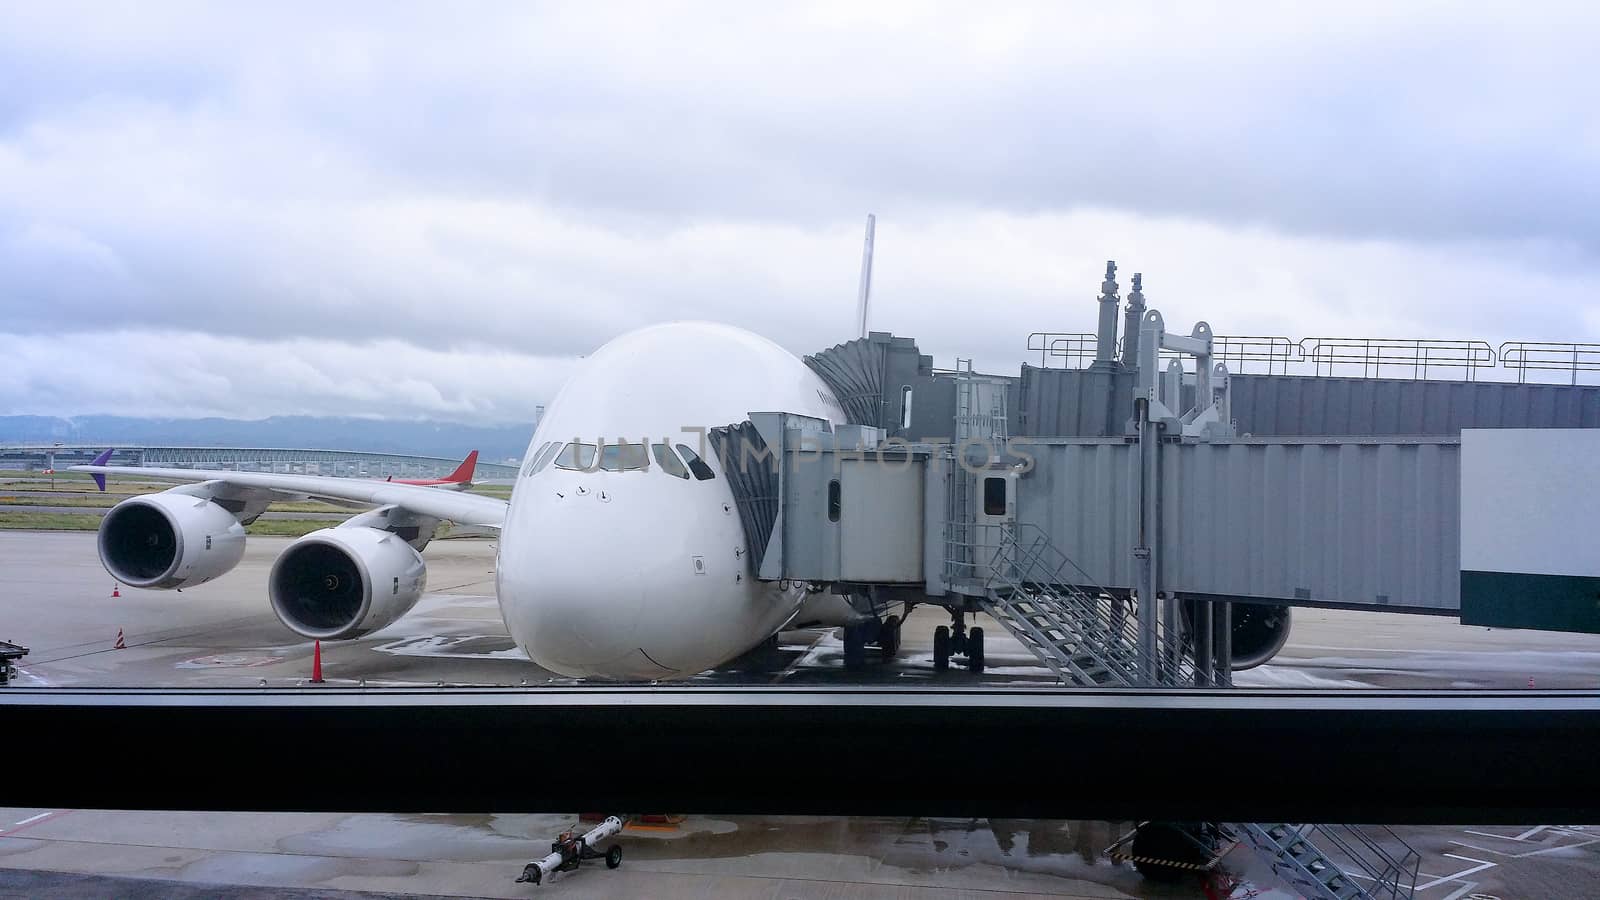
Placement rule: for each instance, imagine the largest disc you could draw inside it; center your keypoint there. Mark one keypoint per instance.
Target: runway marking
(1457, 652)
(1461, 891)
(805, 656)
(36, 820)
(1461, 875)
(1539, 852)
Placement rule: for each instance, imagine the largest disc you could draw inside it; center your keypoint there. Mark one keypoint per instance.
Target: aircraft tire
(614, 856)
(941, 648)
(975, 651)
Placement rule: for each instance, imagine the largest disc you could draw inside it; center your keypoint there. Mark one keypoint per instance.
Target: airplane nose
(573, 585)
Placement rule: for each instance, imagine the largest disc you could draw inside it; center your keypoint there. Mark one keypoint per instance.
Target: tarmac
(56, 599)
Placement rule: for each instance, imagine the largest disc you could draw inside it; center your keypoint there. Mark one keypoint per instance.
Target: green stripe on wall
(1544, 602)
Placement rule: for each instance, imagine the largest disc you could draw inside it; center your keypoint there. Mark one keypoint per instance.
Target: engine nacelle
(1259, 631)
(173, 539)
(345, 582)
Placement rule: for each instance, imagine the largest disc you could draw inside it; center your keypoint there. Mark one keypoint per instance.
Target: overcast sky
(429, 212)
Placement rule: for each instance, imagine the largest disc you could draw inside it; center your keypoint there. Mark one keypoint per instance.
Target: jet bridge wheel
(941, 648)
(889, 637)
(855, 646)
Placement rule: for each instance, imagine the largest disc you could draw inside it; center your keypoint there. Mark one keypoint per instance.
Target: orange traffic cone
(116, 590)
(316, 664)
(119, 645)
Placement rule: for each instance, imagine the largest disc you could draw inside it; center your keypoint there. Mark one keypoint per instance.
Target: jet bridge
(1125, 560)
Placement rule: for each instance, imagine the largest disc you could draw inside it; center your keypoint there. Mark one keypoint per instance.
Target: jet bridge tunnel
(1493, 526)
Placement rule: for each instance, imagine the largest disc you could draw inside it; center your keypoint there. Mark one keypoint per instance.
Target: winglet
(99, 477)
(463, 472)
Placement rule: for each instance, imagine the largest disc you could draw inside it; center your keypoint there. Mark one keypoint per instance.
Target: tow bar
(568, 851)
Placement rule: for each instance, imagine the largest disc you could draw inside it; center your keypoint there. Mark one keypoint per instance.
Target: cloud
(184, 374)
(529, 181)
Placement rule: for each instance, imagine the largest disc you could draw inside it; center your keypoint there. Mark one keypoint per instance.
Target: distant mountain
(494, 443)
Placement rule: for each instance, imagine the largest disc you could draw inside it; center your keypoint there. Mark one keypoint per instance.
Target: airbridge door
(994, 512)
(853, 516)
(880, 521)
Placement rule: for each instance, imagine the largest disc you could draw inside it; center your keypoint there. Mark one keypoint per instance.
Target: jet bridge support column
(1204, 631)
(1160, 625)
(1146, 550)
(1222, 643)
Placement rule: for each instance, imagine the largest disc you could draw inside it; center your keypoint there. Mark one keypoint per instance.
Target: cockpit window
(669, 461)
(533, 459)
(696, 464)
(543, 457)
(576, 456)
(623, 457)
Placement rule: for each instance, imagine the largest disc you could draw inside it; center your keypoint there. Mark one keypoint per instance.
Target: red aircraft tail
(458, 480)
(463, 472)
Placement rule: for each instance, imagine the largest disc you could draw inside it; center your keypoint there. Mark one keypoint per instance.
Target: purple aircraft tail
(99, 477)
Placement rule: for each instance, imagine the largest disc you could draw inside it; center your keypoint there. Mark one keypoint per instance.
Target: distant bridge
(343, 463)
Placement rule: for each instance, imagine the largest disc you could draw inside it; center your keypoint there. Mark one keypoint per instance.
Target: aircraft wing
(458, 506)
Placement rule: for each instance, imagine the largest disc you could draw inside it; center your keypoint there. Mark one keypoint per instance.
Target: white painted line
(1487, 834)
(1465, 887)
(1528, 853)
(1481, 865)
(1530, 832)
(33, 818)
(1558, 847)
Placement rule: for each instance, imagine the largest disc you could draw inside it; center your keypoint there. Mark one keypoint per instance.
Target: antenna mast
(865, 296)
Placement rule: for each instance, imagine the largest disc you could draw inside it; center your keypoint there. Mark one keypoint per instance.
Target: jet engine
(173, 539)
(1259, 631)
(345, 582)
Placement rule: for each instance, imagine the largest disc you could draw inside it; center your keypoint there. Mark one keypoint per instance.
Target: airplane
(621, 555)
(459, 480)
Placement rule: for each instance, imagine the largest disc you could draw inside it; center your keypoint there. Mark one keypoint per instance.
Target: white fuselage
(640, 574)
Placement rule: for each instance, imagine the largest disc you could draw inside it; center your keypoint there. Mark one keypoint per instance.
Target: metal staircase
(1299, 861)
(1085, 636)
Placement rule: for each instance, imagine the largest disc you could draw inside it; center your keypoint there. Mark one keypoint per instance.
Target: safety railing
(1522, 356)
(1413, 358)
(1394, 877)
(1022, 560)
(1075, 349)
(1392, 357)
